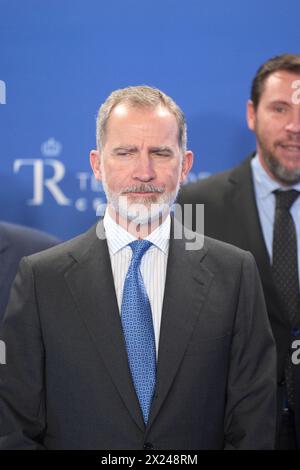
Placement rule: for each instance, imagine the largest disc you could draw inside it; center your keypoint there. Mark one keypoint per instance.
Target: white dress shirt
(153, 264)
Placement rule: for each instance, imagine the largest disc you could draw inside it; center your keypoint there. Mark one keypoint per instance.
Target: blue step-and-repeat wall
(59, 59)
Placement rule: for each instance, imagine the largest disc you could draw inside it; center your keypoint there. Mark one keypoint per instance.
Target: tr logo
(51, 148)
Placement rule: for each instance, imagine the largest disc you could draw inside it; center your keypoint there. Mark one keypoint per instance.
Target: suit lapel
(90, 281)
(181, 310)
(241, 200)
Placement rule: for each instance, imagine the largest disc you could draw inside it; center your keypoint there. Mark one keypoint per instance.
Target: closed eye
(123, 151)
(162, 152)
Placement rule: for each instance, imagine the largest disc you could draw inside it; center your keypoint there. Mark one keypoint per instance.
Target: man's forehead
(124, 110)
(282, 80)
(128, 126)
(127, 120)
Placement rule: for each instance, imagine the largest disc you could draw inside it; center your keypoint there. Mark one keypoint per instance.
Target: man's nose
(293, 125)
(144, 168)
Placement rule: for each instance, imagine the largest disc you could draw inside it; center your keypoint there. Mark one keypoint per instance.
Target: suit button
(295, 331)
(148, 446)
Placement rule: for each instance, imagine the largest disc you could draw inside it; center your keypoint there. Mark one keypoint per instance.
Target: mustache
(144, 188)
(290, 141)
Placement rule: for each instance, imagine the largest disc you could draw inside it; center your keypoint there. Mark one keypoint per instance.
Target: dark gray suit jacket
(15, 242)
(67, 383)
(231, 215)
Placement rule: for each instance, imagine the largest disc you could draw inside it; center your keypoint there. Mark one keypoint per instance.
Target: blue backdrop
(59, 59)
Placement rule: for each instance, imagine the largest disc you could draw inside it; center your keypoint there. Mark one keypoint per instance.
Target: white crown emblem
(51, 148)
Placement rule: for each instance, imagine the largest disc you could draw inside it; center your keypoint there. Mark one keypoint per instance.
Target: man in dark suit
(17, 241)
(125, 338)
(240, 208)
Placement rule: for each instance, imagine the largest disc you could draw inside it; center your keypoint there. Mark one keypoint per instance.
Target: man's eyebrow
(162, 149)
(125, 148)
(134, 149)
(279, 102)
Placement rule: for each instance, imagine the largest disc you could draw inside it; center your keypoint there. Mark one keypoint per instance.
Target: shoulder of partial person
(210, 187)
(201, 186)
(26, 237)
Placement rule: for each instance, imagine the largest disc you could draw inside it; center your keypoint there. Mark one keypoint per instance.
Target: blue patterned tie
(138, 329)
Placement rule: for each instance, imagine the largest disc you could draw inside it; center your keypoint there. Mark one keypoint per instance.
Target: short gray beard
(145, 211)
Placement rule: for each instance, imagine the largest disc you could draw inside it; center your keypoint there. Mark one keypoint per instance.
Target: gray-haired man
(131, 341)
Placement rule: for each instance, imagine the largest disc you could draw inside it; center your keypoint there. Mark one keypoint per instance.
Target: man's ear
(251, 115)
(187, 164)
(95, 161)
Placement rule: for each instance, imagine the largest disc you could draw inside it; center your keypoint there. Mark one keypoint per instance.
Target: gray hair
(140, 97)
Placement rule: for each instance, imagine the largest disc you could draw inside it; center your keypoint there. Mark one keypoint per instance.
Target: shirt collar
(117, 237)
(264, 184)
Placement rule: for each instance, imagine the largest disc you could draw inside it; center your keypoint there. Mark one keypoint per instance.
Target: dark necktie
(138, 329)
(285, 260)
(285, 269)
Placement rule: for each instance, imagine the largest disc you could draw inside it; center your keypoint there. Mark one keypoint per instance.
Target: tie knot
(285, 199)
(139, 248)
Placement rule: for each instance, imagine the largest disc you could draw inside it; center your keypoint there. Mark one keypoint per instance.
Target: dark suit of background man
(243, 206)
(177, 353)
(15, 242)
